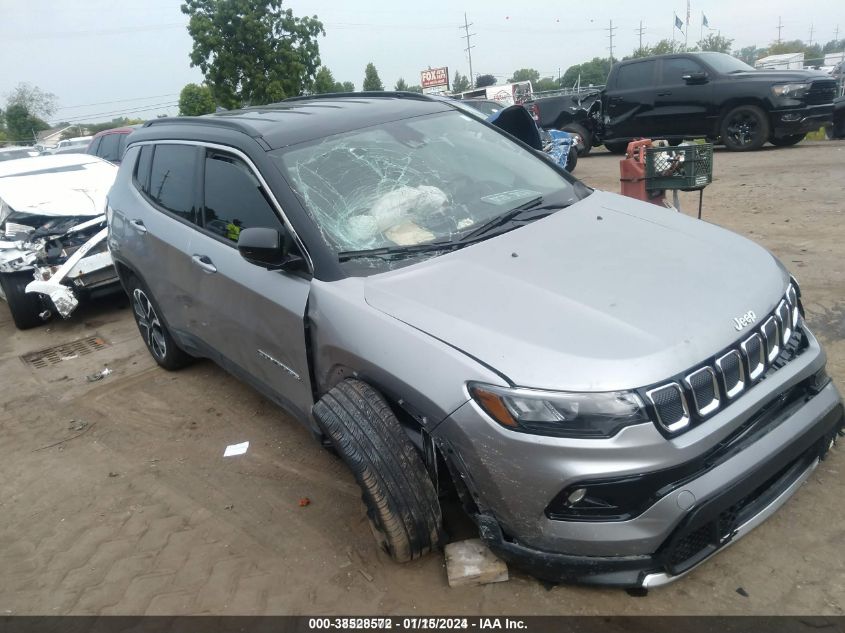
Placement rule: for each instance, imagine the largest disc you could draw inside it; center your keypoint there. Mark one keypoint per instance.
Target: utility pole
(780, 26)
(686, 31)
(468, 49)
(641, 30)
(811, 35)
(610, 31)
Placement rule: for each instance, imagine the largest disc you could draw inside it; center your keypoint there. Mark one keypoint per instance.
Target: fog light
(576, 495)
(792, 116)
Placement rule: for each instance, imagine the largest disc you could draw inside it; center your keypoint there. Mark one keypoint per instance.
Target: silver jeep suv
(615, 391)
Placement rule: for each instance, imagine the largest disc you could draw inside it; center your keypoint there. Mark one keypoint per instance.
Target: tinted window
(121, 146)
(142, 167)
(234, 199)
(108, 147)
(172, 179)
(95, 144)
(638, 75)
(674, 69)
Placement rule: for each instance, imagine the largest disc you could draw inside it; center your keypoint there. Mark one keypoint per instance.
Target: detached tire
(157, 337)
(744, 129)
(571, 159)
(786, 141)
(25, 307)
(401, 501)
(586, 144)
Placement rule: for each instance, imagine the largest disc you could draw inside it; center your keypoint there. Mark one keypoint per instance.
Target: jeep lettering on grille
(745, 320)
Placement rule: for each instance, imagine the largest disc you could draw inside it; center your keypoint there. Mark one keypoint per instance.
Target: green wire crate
(685, 167)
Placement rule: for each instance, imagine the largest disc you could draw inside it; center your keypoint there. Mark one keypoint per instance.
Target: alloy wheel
(149, 324)
(743, 128)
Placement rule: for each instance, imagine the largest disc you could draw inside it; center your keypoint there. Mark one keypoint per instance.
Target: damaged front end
(66, 255)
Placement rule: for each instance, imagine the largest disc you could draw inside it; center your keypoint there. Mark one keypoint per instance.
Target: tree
(415, 89)
(593, 72)
(545, 84)
(834, 46)
(324, 82)
(196, 100)
(21, 124)
(716, 43)
(525, 74)
(483, 81)
(252, 51)
(460, 83)
(36, 101)
(667, 46)
(642, 51)
(371, 79)
(347, 86)
(401, 85)
(750, 54)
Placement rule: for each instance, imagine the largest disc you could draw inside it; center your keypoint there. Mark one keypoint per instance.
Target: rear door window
(173, 178)
(234, 198)
(636, 75)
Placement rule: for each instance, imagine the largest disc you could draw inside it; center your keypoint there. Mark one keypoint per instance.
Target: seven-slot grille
(701, 391)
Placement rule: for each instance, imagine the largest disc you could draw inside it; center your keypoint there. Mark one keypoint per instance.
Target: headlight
(560, 414)
(790, 90)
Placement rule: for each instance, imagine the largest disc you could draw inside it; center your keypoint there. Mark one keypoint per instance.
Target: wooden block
(470, 562)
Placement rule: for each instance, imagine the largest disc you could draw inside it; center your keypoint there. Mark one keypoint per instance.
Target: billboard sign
(435, 79)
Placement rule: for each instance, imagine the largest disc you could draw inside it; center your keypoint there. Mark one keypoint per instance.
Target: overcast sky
(108, 58)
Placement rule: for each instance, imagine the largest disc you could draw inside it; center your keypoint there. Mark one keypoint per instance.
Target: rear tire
(401, 501)
(744, 129)
(786, 141)
(586, 144)
(25, 307)
(617, 148)
(152, 327)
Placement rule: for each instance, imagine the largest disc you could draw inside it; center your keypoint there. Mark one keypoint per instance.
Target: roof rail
(230, 123)
(402, 94)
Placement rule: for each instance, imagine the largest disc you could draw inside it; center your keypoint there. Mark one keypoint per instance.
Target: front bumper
(801, 120)
(513, 477)
(708, 528)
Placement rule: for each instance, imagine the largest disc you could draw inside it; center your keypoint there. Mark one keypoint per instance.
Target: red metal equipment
(632, 174)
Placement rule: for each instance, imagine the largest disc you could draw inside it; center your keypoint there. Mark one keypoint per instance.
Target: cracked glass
(415, 181)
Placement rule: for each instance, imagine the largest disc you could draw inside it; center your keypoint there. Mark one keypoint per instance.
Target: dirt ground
(115, 497)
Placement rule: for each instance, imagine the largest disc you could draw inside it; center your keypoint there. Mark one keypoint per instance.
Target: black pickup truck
(694, 95)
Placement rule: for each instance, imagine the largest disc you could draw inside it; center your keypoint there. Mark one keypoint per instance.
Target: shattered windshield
(416, 181)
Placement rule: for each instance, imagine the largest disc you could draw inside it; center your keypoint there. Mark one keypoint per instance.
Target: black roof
(300, 119)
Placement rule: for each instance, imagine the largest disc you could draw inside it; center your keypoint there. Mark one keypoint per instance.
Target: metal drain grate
(66, 351)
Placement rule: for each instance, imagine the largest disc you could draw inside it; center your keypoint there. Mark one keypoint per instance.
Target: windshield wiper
(392, 251)
(534, 205)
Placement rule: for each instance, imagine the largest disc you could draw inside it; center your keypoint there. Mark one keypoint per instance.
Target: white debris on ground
(470, 562)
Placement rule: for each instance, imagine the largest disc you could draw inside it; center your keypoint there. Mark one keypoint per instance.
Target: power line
(469, 48)
(88, 105)
(115, 113)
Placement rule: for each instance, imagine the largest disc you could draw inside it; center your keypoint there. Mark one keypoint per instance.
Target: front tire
(786, 141)
(745, 128)
(153, 329)
(401, 501)
(572, 159)
(25, 307)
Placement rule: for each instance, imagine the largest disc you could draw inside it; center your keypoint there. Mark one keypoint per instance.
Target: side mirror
(699, 77)
(267, 248)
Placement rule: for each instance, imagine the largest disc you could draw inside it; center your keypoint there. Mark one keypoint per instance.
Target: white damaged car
(53, 234)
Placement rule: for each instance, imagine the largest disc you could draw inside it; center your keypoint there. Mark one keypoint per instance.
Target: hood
(611, 293)
(59, 188)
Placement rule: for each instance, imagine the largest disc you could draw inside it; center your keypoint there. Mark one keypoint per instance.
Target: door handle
(138, 225)
(204, 262)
